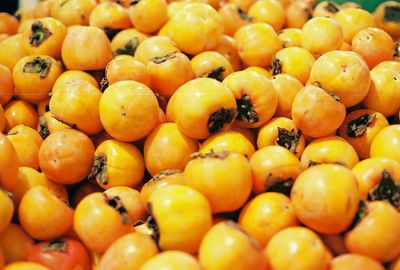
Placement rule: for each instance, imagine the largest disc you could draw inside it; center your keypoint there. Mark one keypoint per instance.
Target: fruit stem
(99, 170)
(39, 66)
(357, 127)
(219, 118)
(216, 74)
(246, 110)
(59, 245)
(386, 189)
(39, 34)
(288, 139)
(129, 47)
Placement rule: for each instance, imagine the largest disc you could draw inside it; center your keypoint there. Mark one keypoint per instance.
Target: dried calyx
(357, 127)
(39, 66)
(39, 34)
(276, 67)
(284, 187)
(149, 227)
(99, 170)
(163, 174)
(288, 139)
(216, 74)
(361, 213)
(116, 203)
(162, 59)
(111, 32)
(243, 14)
(211, 154)
(103, 84)
(396, 50)
(392, 13)
(59, 245)
(44, 131)
(129, 48)
(387, 190)
(331, 7)
(218, 119)
(246, 111)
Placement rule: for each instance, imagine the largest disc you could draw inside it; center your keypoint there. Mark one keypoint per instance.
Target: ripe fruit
(126, 67)
(223, 245)
(387, 143)
(325, 198)
(355, 261)
(297, 248)
(233, 17)
(353, 20)
(250, 40)
(148, 16)
(172, 260)
(9, 163)
(311, 118)
(63, 150)
(6, 85)
(128, 110)
(211, 64)
(72, 12)
(268, 11)
(110, 17)
(15, 243)
(223, 178)
(267, 214)
(6, 210)
(287, 87)
(18, 112)
(387, 17)
(117, 164)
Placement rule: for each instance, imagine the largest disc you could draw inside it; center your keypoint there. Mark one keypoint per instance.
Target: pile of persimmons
(189, 135)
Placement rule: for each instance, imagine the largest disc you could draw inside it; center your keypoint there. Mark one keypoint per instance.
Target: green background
(369, 5)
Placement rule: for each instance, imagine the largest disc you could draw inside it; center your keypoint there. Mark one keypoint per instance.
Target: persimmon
(166, 147)
(274, 168)
(169, 260)
(71, 75)
(76, 103)
(343, 73)
(169, 72)
(156, 46)
(20, 112)
(290, 37)
(329, 149)
(128, 110)
(213, 110)
(183, 205)
(374, 45)
(63, 150)
(224, 243)
(326, 9)
(117, 164)
(268, 11)
(212, 65)
(126, 67)
(9, 24)
(321, 35)
(223, 178)
(24, 265)
(383, 96)
(267, 214)
(377, 179)
(26, 147)
(233, 17)
(11, 50)
(130, 252)
(334, 189)
(355, 261)
(296, 247)
(43, 106)
(386, 143)
(6, 210)
(110, 17)
(44, 36)
(294, 61)
(335, 243)
(360, 128)
(377, 222)
(48, 124)
(227, 47)
(387, 17)
(9, 163)
(2, 119)
(127, 41)
(34, 76)
(72, 12)
(100, 213)
(353, 20)
(297, 14)
(287, 87)
(86, 48)
(43, 9)
(28, 178)
(250, 39)
(310, 117)
(395, 65)
(230, 141)
(282, 131)
(6, 85)
(40, 208)
(148, 16)
(16, 243)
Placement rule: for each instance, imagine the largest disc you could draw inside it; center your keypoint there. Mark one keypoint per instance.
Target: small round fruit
(172, 260)
(355, 261)
(387, 17)
(287, 87)
(16, 243)
(9, 163)
(387, 143)
(353, 20)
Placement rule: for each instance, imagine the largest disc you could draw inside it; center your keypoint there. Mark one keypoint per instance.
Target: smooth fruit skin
(43, 215)
(11, 51)
(63, 150)
(223, 245)
(6, 85)
(250, 39)
(355, 261)
(172, 260)
(166, 147)
(16, 243)
(268, 11)
(182, 215)
(325, 198)
(9, 163)
(392, 26)
(6, 210)
(19, 112)
(225, 180)
(297, 248)
(387, 143)
(129, 252)
(86, 48)
(352, 20)
(376, 235)
(267, 214)
(25, 266)
(126, 67)
(311, 118)
(343, 73)
(287, 87)
(128, 110)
